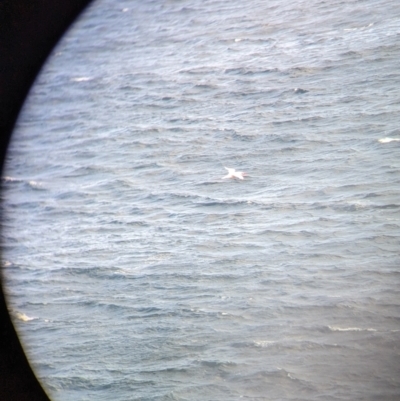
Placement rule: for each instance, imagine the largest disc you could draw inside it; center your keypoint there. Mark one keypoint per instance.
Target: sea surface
(135, 272)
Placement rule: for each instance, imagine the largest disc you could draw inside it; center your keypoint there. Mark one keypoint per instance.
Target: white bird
(232, 173)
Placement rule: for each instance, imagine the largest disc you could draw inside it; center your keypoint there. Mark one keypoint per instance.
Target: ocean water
(135, 272)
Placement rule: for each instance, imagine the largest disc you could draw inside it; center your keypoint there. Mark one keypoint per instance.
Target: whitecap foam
(10, 179)
(23, 317)
(333, 328)
(34, 184)
(359, 28)
(387, 140)
(81, 79)
(263, 343)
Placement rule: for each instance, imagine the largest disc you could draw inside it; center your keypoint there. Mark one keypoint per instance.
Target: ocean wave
(388, 140)
(23, 317)
(336, 328)
(81, 79)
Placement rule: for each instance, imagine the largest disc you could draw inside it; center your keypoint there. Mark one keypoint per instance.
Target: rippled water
(134, 272)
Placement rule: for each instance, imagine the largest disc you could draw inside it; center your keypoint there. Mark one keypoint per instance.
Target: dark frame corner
(29, 30)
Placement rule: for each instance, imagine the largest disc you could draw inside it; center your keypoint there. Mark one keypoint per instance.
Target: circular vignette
(29, 30)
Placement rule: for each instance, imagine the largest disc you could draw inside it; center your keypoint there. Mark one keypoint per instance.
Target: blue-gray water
(134, 272)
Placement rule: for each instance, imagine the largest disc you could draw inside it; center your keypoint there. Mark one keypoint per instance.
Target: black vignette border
(29, 30)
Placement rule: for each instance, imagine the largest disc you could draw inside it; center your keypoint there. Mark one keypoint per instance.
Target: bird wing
(239, 175)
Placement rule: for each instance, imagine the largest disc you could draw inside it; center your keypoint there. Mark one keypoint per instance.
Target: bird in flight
(232, 173)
